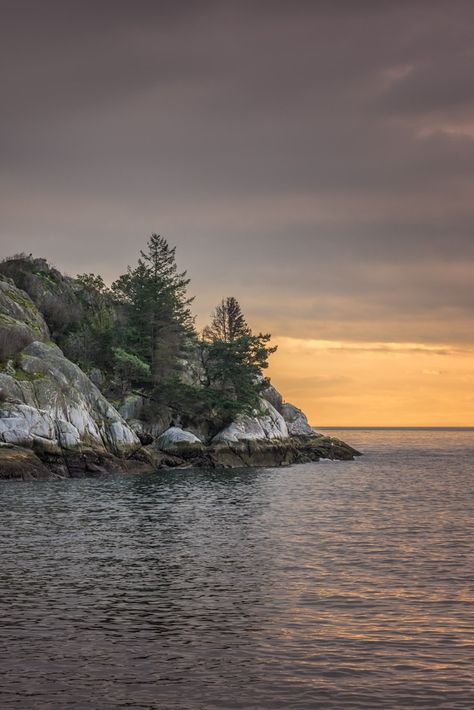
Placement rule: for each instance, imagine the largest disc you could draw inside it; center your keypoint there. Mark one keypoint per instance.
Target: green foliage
(233, 360)
(129, 369)
(236, 367)
(228, 322)
(155, 304)
(23, 301)
(198, 404)
(140, 335)
(93, 341)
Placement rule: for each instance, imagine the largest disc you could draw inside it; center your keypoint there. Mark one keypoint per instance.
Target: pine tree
(228, 322)
(157, 315)
(233, 359)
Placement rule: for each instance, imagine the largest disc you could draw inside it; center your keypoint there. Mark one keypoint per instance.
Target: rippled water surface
(330, 585)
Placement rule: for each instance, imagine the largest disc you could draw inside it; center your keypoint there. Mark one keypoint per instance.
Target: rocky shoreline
(21, 463)
(255, 454)
(55, 423)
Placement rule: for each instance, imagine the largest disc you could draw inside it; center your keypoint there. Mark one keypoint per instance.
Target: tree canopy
(154, 299)
(234, 358)
(138, 335)
(228, 322)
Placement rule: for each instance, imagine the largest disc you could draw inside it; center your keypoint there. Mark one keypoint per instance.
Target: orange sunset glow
(376, 384)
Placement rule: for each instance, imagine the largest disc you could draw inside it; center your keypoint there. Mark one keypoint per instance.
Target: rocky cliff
(48, 406)
(55, 422)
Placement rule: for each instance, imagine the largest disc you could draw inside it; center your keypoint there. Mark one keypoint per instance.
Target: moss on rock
(17, 463)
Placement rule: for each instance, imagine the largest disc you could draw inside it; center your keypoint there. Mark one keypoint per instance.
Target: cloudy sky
(314, 159)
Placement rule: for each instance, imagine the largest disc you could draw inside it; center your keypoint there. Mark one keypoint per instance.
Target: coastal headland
(83, 392)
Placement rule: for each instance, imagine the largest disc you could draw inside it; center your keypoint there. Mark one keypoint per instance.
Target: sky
(313, 159)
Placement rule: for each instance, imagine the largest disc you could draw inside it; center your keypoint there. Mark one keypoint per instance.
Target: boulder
(265, 424)
(296, 420)
(271, 394)
(174, 439)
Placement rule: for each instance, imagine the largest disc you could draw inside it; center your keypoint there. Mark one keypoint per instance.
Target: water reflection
(343, 585)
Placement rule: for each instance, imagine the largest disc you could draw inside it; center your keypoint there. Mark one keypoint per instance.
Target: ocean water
(327, 585)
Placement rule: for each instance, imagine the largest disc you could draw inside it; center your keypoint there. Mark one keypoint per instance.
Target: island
(97, 379)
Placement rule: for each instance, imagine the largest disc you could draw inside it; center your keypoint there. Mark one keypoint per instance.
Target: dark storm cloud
(314, 158)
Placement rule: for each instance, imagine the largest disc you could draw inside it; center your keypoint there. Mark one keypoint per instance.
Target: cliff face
(20, 321)
(51, 403)
(47, 404)
(55, 422)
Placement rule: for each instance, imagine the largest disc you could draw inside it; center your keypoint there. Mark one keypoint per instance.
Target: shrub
(129, 368)
(12, 341)
(60, 312)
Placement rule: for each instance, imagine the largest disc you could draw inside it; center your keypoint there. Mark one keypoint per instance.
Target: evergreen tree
(228, 322)
(233, 360)
(157, 319)
(91, 341)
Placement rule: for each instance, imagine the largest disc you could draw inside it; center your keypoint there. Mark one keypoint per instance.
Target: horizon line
(465, 427)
